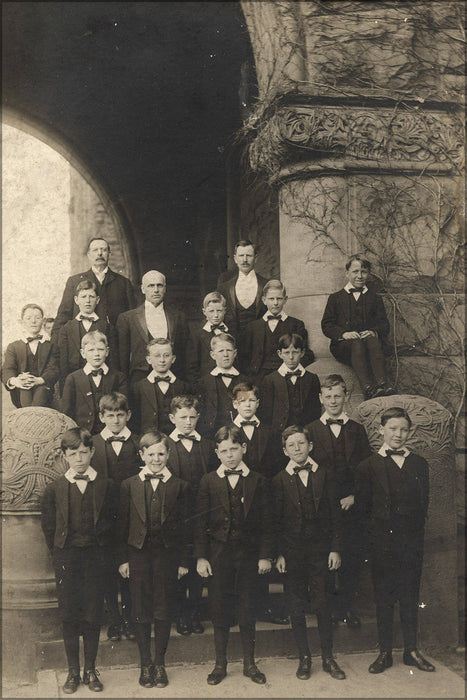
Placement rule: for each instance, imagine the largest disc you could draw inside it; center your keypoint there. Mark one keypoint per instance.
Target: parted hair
(115, 401)
(229, 432)
(85, 284)
(289, 339)
(223, 337)
(73, 437)
(274, 284)
(244, 243)
(154, 437)
(214, 297)
(159, 341)
(333, 380)
(292, 430)
(184, 401)
(31, 306)
(366, 264)
(395, 412)
(94, 336)
(242, 388)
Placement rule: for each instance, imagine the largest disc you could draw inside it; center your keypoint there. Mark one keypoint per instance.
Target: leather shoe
(389, 391)
(254, 674)
(381, 663)
(160, 677)
(146, 678)
(268, 616)
(217, 675)
(331, 666)
(414, 658)
(114, 633)
(304, 668)
(380, 390)
(90, 678)
(183, 627)
(72, 682)
(352, 620)
(196, 626)
(128, 630)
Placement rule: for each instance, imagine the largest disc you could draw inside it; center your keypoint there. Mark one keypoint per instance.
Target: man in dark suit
(153, 319)
(244, 290)
(115, 291)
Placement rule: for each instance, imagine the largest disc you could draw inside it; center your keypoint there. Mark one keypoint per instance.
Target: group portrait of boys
(207, 454)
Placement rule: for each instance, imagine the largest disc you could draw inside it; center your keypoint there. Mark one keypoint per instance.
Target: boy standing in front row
(233, 543)
(79, 513)
(392, 490)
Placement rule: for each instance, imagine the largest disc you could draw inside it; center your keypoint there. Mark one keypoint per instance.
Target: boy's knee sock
(300, 634)
(91, 644)
(161, 638)
(247, 635)
(143, 639)
(71, 641)
(221, 638)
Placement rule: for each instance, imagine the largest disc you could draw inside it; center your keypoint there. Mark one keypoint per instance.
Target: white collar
(281, 317)
(220, 370)
(283, 369)
(93, 316)
(87, 369)
(145, 470)
(44, 338)
(159, 309)
(384, 447)
(208, 324)
(70, 474)
(309, 462)
(100, 273)
(238, 420)
(250, 277)
(349, 286)
(175, 433)
(242, 466)
(124, 433)
(343, 416)
(152, 376)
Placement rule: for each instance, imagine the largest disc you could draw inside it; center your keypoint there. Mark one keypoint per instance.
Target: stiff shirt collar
(44, 338)
(87, 369)
(280, 317)
(92, 316)
(343, 416)
(145, 470)
(223, 328)
(384, 447)
(242, 466)
(175, 433)
(219, 370)
(250, 277)
(148, 307)
(125, 433)
(100, 274)
(152, 376)
(238, 420)
(310, 462)
(70, 474)
(283, 369)
(349, 286)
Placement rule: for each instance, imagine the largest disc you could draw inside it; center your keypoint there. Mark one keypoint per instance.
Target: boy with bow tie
(392, 489)
(233, 543)
(308, 530)
(336, 435)
(79, 513)
(198, 348)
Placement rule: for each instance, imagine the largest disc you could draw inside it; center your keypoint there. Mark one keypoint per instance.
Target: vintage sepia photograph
(233, 349)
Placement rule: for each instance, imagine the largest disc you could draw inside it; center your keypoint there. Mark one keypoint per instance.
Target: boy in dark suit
(290, 395)
(233, 543)
(70, 335)
(307, 519)
(337, 435)
(198, 349)
(79, 513)
(116, 455)
(355, 320)
(84, 388)
(392, 489)
(154, 527)
(30, 366)
(215, 388)
(258, 345)
(153, 394)
(190, 457)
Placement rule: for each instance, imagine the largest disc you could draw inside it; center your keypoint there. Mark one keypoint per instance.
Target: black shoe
(114, 633)
(268, 616)
(183, 626)
(331, 666)
(389, 391)
(196, 625)
(217, 675)
(160, 677)
(369, 392)
(414, 658)
(352, 620)
(254, 674)
(380, 390)
(90, 678)
(72, 682)
(146, 677)
(380, 664)
(304, 668)
(128, 630)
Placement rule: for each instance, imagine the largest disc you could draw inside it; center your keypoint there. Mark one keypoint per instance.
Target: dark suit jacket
(69, 346)
(356, 446)
(133, 337)
(227, 289)
(77, 400)
(372, 495)
(336, 318)
(213, 515)
(145, 409)
(175, 520)
(198, 360)
(288, 513)
(261, 461)
(15, 362)
(116, 295)
(252, 344)
(274, 405)
(128, 461)
(208, 460)
(55, 511)
(211, 419)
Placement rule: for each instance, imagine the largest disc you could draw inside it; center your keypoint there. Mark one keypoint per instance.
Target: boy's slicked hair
(333, 380)
(395, 412)
(115, 401)
(229, 432)
(366, 264)
(153, 437)
(94, 337)
(85, 284)
(31, 306)
(274, 284)
(159, 341)
(214, 297)
(244, 243)
(289, 339)
(224, 337)
(292, 430)
(184, 401)
(72, 439)
(243, 388)
(98, 238)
